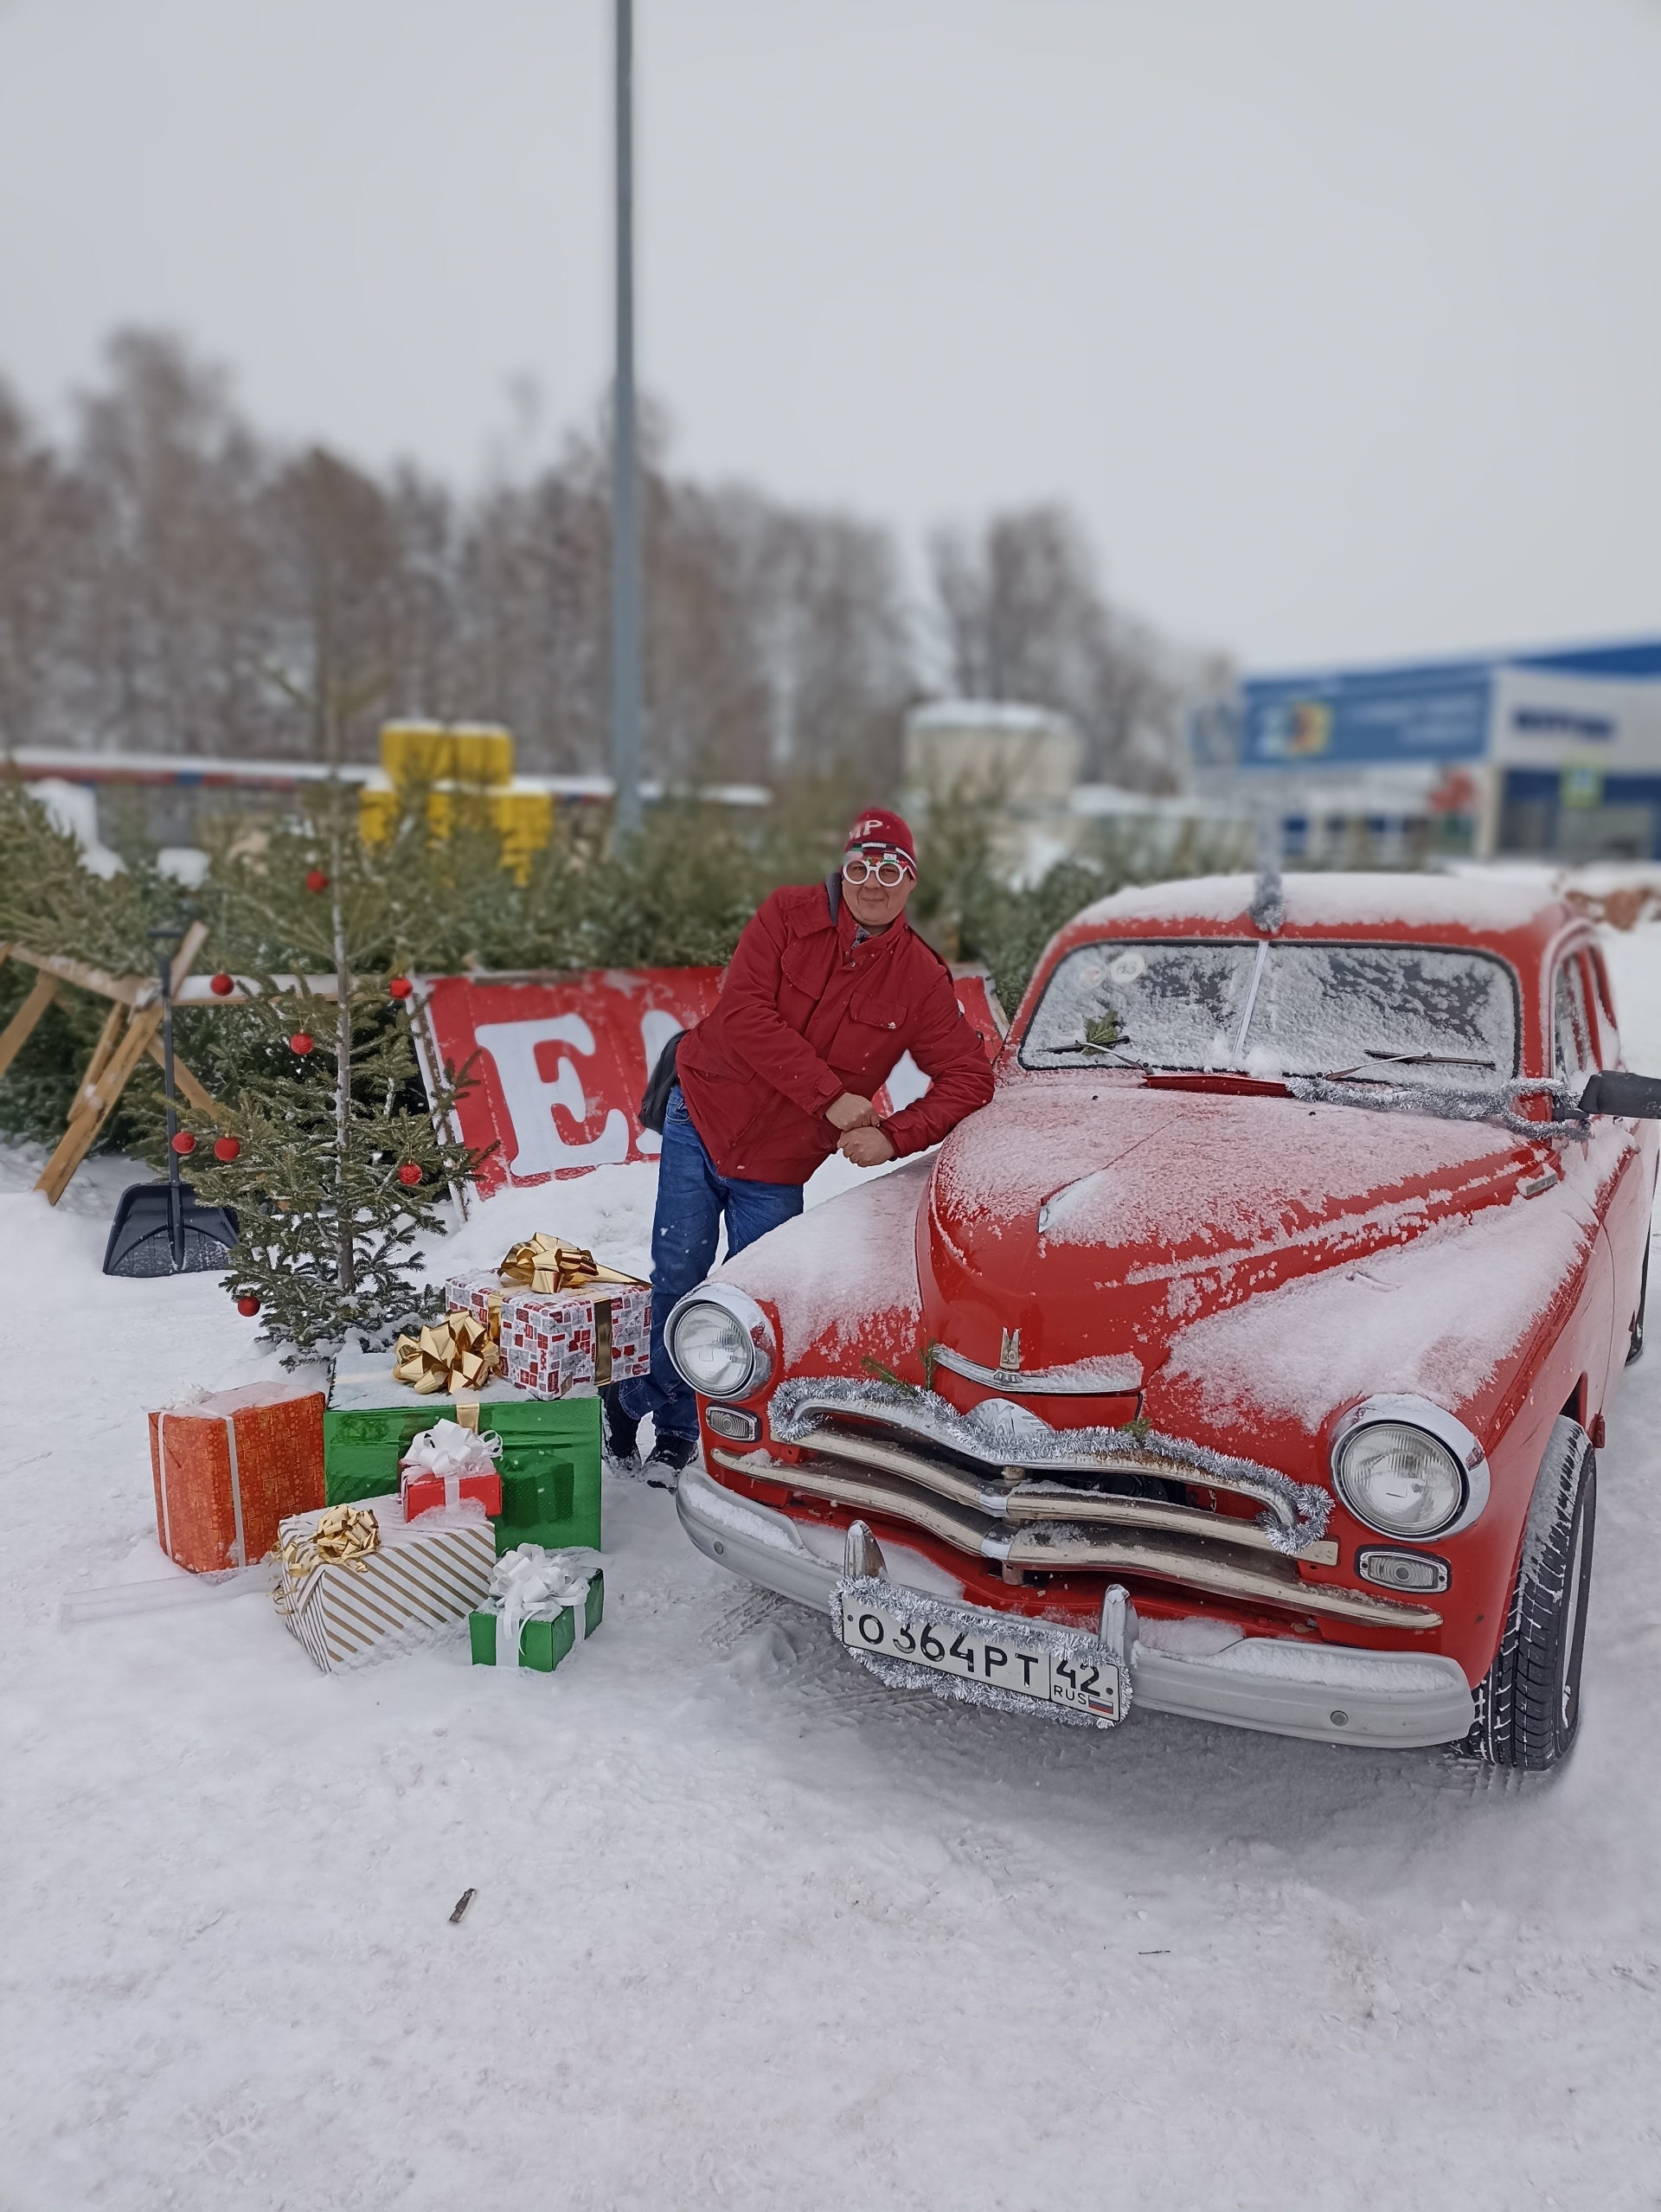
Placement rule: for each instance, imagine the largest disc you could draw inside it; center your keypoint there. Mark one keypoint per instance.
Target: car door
(1627, 1220)
(1577, 1047)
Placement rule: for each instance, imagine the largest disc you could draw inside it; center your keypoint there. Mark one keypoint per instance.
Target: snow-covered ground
(750, 1930)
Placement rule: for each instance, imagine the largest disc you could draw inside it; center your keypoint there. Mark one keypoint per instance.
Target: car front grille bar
(999, 1435)
(1201, 1563)
(1032, 1501)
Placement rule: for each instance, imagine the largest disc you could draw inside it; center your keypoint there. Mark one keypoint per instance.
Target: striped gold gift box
(422, 1576)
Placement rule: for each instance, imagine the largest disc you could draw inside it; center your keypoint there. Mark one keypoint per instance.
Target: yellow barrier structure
(445, 752)
(465, 765)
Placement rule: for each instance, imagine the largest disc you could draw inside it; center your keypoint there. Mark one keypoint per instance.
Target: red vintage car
(1247, 1357)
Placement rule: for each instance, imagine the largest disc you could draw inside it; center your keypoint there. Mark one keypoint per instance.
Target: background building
(1557, 754)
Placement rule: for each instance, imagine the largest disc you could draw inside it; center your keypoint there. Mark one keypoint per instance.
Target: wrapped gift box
(547, 1632)
(420, 1576)
(448, 1463)
(421, 1490)
(549, 1462)
(228, 1468)
(565, 1341)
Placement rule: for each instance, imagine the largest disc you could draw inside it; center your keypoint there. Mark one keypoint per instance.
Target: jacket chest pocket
(868, 1039)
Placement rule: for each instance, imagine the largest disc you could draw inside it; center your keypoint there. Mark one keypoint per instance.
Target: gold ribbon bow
(457, 1355)
(344, 1536)
(548, 1263)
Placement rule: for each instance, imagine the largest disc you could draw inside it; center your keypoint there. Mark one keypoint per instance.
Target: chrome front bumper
(1326, 1693)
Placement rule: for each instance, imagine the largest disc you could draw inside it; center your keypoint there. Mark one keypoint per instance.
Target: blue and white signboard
(1400, 715)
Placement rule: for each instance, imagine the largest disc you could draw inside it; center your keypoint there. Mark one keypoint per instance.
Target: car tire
(1635, 1343)
(1528, 1706)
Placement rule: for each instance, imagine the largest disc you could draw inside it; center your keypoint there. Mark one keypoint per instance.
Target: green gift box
(550, 1458)
(542, 1643)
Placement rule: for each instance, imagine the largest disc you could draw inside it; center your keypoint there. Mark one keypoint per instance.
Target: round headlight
(1399, 1480)
(712, 1349)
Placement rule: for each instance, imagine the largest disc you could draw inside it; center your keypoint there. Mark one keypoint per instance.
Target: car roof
(1517, 916)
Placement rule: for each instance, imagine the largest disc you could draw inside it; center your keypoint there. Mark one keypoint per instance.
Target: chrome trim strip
(999, 1435)
(1032, 1501)
(1040, 1382)
(761, 1545)
(1059, 1548)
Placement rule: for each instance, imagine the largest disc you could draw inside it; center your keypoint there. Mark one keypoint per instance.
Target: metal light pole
(626, 466)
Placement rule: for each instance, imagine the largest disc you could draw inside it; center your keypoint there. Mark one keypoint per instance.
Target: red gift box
(228, 1468)
(423, 1491)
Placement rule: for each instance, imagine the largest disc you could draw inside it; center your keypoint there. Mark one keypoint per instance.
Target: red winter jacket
(804, 1014)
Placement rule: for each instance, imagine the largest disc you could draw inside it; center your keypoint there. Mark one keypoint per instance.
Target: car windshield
(1372, 1012)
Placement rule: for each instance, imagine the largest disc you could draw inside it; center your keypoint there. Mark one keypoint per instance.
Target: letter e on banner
(537, 1147)
(558, 1062)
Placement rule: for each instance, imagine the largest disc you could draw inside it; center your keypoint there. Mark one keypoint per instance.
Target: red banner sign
(559, 1061)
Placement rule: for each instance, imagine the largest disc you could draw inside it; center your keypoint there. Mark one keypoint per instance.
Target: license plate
(984, 1648)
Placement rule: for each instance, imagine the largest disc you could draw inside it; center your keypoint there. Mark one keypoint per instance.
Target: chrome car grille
(990, 1488)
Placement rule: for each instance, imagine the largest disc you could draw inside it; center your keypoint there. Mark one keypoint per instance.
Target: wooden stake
(99, 1090)
(21, 1027)
(102, 1051)
(194, 1093)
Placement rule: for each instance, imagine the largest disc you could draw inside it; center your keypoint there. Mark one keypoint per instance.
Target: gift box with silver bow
(540, 1604)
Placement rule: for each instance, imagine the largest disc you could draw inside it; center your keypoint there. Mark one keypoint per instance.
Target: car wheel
(1528, 1707)
(1635, 1343)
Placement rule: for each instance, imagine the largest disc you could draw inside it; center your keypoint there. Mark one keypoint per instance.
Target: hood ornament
(1008, 1353)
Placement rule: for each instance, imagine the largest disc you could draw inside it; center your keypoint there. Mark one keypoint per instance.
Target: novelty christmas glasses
(888, 869)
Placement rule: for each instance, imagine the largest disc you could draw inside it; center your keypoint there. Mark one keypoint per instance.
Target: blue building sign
(1401, 715)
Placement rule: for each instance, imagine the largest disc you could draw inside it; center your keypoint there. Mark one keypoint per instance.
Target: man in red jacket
(829, 986)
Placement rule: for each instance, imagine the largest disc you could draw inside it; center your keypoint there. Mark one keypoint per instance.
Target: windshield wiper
(1427, 1059)
(1125, 1059)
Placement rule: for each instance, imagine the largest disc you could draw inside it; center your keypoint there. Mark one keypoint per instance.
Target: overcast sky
(1338, 321)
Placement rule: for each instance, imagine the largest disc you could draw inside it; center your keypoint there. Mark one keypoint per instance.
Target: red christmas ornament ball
(184, 1143)
(222, 985)
(301, 1044)
(400, 987)
(409, 1175)
(315, 880)
(227, 1149)
(248, 1306)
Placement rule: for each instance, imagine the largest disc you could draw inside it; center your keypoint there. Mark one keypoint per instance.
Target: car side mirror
(1612, 1092)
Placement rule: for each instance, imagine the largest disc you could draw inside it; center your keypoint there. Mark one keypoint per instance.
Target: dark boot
(670, 1454)
(621, 1431)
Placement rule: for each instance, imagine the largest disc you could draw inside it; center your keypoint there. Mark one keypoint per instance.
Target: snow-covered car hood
(1101, 1218)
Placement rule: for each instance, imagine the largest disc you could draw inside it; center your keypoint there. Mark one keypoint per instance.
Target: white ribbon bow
(449, 1449)
(531, 1583)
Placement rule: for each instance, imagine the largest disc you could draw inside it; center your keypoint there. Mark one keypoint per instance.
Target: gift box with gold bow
(576, 1341)
(356, 1582)
(564, 1321)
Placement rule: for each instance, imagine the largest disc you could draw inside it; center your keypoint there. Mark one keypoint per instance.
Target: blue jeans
(691, 1198)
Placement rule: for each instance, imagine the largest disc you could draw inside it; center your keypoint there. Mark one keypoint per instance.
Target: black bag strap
(654, 1100)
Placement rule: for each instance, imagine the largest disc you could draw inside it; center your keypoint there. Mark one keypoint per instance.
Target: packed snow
(751, 1930)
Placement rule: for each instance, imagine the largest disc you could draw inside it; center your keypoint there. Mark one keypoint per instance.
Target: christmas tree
(331, 1148)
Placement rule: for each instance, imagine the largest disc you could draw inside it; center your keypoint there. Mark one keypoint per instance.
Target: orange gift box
(229, 1467)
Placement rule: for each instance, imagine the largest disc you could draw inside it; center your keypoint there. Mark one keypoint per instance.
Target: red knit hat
(880, 829)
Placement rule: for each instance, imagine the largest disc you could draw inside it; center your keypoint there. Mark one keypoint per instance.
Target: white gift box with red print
(560, 1341)
(479, 1294)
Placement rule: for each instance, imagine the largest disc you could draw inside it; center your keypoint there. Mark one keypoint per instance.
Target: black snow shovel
(161, 1229)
